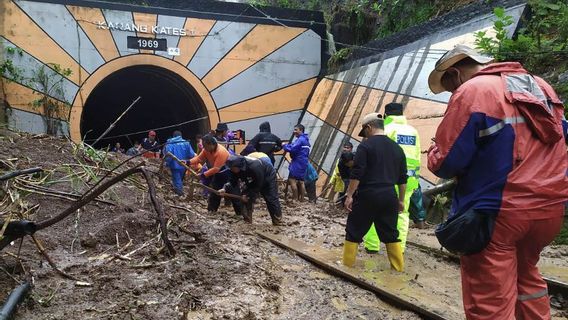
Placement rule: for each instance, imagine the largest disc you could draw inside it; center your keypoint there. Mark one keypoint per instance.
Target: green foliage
(398, 15)
(50, 88)
(288, 4)
(7, 68)
(338, 59)
(44, 81)
(541, 46)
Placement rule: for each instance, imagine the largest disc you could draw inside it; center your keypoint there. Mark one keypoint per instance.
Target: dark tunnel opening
(166, 100)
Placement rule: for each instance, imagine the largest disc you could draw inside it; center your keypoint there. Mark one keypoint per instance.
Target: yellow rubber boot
(394, 252)
(349, 253)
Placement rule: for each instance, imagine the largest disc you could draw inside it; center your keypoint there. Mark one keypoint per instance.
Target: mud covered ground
(222, 269)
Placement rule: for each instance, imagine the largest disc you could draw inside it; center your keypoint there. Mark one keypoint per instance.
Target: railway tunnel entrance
(168, 102)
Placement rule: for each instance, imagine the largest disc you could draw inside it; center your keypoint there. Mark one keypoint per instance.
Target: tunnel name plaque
(147, 43)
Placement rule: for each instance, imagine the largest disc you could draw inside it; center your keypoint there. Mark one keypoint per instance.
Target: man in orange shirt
(216, 156)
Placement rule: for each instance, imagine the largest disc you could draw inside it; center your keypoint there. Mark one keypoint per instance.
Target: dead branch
(61, 194)
(41, 249)
(159, 210)
(16, 173)
(88, 197)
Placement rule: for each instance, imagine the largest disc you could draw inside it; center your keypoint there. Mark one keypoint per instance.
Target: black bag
(467, 233)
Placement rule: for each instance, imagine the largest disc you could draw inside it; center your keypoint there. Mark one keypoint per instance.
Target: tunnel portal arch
(170, 95)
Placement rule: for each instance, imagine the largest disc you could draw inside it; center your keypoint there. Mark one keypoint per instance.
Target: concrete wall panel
(29, 66)
(56, 20)
(281, 124)
(31, 122)
(173, 41)
(296, 61)
(119, 36)
(221, 39)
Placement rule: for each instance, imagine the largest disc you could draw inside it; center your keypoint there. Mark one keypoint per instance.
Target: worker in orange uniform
(216, 155)
(504, 138)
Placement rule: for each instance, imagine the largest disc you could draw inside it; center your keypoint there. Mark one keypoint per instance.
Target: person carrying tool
(398, 129)
(380, 165)
(264, 142)
(216, 155)
(502, 138)
(182, 149)
(299, 151)
(150, 146)
(257, 177)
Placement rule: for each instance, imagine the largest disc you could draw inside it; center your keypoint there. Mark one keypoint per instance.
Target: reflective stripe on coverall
(398, 130)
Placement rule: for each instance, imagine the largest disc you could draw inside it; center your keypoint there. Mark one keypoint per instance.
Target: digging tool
(182, 163)
(442, 187)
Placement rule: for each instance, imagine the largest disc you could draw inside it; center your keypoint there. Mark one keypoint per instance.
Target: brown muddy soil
(222, 269)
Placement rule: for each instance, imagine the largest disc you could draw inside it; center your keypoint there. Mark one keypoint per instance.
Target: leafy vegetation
(336, 60)
(541, 45)
(50, 86)
(45, 82)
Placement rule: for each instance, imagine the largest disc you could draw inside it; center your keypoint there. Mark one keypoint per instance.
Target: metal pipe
(13, 300)
(439, 188)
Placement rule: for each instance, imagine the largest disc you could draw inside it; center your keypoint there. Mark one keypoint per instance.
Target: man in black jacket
(265, 142)
(257, 177)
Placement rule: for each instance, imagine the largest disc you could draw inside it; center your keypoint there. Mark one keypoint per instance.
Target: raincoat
(299, 151)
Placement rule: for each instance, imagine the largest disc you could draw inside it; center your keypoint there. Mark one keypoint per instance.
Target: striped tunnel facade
(342, 99)
(246, 69)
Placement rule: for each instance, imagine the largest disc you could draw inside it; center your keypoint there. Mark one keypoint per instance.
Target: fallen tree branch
(16, 173)
(60, 194)
(41, 249)
(95, 192)
(88, 197)
(159, 210)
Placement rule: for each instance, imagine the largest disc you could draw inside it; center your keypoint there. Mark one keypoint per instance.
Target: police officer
(406, 136)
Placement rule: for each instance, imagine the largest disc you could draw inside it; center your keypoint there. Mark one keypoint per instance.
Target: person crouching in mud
(258, 177)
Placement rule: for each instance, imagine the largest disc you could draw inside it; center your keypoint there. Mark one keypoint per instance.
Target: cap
(368, 119)
(458, 53)
(221, 126)
(152, 133)
(393, 108)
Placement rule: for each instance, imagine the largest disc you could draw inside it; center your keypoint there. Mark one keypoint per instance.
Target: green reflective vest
(397, 129)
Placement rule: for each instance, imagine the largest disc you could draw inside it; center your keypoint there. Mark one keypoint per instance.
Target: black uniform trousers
(373, 205)
(269, 192)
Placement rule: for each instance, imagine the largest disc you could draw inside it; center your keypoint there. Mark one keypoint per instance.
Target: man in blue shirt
(182, 149)
(299, 151)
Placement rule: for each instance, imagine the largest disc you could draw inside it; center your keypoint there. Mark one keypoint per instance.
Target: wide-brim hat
(458, 53)
(368, 119)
